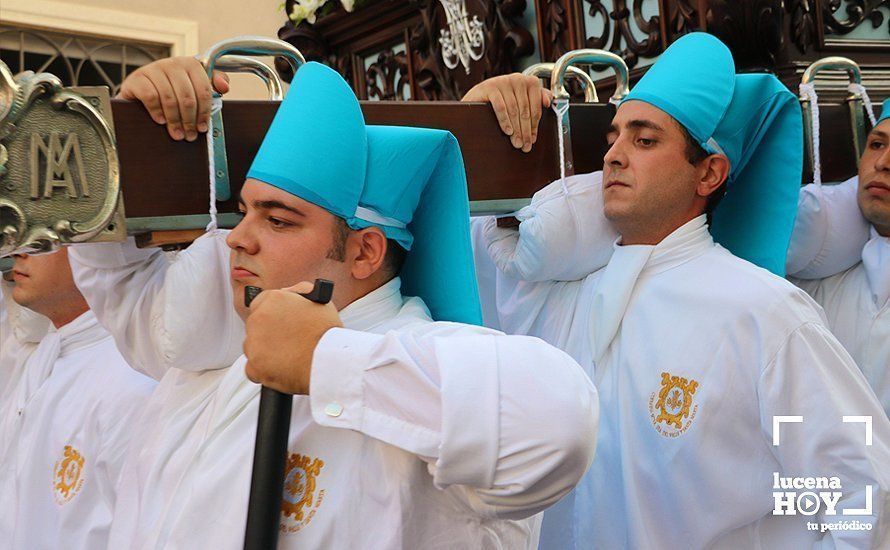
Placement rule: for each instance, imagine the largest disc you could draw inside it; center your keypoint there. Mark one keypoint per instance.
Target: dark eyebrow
(880, 133)
(640, 123)
(269, 205)
(273, 204)
(636, 124)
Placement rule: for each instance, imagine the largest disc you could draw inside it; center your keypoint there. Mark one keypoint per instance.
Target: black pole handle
(270, 448)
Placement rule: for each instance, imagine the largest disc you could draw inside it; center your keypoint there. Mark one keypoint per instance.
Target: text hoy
(808, 503)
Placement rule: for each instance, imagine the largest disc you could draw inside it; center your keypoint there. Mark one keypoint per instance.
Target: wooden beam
(167, 239)
(162, 177)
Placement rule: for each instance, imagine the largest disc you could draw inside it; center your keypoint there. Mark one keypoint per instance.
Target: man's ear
(714, 172)
(367, 250)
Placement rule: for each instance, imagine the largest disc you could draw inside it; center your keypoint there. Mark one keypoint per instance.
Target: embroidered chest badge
(672, 409)
(300, 499)
(68, 475)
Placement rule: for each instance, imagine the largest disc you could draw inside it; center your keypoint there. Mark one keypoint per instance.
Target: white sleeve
(829, 231)
(813, 376)
(506, 423)
(513, 305)
(563, 234)
(529, 280)
(163, 313)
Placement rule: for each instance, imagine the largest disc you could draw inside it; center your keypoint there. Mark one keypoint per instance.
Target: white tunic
(20, 331)
(64, 428)
(857, 304)
(848, 274)
(415, 434)
(694, 352)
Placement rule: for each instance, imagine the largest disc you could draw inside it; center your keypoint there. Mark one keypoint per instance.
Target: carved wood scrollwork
(560, 27)
(680, 17)
(778, 35)
(857, 13)
(505, 38)
(803, 24)
(823, 24)
(343, 40)
(753, 30)
(391, 71)
(619, 36)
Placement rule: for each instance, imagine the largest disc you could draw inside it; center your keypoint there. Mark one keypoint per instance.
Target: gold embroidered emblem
(68, 475)
(299, 500)
(672, 409)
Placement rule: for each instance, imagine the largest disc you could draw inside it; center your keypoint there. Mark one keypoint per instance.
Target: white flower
(296, 14)
(306, 9)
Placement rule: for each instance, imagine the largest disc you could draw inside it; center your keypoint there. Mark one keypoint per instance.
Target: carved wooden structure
(782, 36)
(389, 49)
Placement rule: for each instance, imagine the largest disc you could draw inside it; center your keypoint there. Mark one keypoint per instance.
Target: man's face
(648, 183)
(874, 179)
(281, 241)
(43, 281)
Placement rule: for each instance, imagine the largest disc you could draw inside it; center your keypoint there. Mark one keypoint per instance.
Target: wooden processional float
(77, 166)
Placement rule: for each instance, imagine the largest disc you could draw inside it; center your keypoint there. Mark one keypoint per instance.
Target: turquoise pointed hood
(409, 182)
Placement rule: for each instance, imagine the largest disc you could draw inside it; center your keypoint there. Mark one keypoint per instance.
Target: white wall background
(190, 25)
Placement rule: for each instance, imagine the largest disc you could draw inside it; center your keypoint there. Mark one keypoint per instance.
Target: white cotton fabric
(857, 304)
(829, 231)
(20, 331)
(554, 228)
(445, 435)
(74, 395)
(755, 345)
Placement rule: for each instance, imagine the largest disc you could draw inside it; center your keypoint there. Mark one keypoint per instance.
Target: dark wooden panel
(164, 177)
(590, 124)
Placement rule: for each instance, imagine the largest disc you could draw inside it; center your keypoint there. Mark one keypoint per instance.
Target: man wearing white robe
(699, 357)
(414, 434)
(20, 331)
(840, 255)
(66, 414)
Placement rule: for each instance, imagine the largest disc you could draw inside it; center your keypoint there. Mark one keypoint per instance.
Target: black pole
(270, 449)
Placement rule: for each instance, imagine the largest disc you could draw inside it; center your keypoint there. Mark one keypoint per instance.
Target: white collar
(628, 263)
(876, 261)
(686, 242)
(38, 367)
(376, 307)
(29, 327)
(83, 331)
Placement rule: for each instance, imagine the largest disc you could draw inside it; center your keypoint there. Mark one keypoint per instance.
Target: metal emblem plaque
(59, 174)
